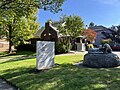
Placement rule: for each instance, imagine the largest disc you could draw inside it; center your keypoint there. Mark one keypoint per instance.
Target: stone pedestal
(101, 60)
(80, 47)
(45, 55)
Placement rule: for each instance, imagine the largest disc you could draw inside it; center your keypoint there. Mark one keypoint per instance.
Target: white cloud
(110, 2)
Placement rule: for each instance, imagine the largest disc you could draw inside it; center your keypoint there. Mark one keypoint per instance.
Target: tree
(114, 35)
(73, 26)
(70, 28)
(89, 34)
(22, 5)
(18, 29)
(15, 16)
(91, 24)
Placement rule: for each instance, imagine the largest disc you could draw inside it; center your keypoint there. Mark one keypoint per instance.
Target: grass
(15, 55)
(66, 76)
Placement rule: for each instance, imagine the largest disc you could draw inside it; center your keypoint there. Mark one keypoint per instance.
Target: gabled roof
(39, 32)
(98, 28)
(54, 28)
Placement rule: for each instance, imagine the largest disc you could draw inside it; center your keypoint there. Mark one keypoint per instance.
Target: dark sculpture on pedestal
(101, 57)
(106, 48)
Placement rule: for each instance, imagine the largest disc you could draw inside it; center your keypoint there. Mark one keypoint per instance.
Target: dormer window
(44, 35)
(49, 34)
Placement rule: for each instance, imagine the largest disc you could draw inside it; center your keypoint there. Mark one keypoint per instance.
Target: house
(4, 45)
(100, 36)
(49, 33)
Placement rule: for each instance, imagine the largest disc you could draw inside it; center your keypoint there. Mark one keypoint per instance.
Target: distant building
(50, 33)
(99, 30)
(4, 45)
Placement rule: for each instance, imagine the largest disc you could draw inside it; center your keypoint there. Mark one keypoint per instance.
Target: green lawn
(66, 76)
(18, 54)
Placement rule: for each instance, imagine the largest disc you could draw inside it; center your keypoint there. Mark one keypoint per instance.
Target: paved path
(73, 53)
(5, 86)
(117, 52)
(18, 58)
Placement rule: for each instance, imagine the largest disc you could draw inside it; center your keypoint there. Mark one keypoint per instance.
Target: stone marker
(45, 55)
(101, 58)
(80, 46)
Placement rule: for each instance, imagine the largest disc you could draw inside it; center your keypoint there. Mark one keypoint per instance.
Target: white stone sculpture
(45, 55)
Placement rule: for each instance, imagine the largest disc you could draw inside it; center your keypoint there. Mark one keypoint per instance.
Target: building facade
(100, 36)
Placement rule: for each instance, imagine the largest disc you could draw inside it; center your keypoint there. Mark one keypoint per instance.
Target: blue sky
(101, 12)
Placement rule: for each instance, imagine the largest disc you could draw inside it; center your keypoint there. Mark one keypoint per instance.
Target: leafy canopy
(72, 26)
(89, 34)
(22, 28)
(18, 20)
(91, 24)
(27, 5)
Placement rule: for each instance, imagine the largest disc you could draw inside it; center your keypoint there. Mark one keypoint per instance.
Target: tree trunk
(10, 38)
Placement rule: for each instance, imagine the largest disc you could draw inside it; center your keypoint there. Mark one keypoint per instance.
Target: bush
(26, 47)
(109, 41)
(61, 47)
(89, 46)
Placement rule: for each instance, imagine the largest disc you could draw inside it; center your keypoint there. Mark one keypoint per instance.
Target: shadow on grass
(25, 53)
(64, 77)
(18, 59)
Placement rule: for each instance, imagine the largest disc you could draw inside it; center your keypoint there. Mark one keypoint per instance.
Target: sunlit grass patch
(65, 76)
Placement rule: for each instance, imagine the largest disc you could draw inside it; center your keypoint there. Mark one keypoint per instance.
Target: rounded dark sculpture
(101, 60)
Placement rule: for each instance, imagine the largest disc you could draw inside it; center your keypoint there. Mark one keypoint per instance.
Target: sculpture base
(103, 60)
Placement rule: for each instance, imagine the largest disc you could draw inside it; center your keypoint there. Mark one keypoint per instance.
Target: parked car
(116, 47)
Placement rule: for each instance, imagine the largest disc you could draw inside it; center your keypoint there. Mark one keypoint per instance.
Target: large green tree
(25, 5)
(17, 18)
(91, 24)
(18, 29)
(72, 26)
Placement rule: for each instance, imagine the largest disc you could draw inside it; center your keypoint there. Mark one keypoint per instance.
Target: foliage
(70, 26)
(62, 47)
(109, 41)
(91, 24)
(26, 47)
(63, 77)
(18, 16)
(73, 26)
(114, 35)
(89, 46)
(22, 7)
(19, 29)
(89, 34)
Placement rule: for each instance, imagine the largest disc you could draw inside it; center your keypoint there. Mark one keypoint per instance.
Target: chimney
(47, 24)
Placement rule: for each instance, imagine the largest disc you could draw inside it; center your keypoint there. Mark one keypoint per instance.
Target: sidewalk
(73, 53)
(5, 86)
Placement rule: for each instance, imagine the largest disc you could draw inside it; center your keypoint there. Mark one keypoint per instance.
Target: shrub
(89, 46)
(106, 41)
(62, 47)
(26, 47)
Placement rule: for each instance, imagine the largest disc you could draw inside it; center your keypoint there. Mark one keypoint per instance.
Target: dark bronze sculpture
(106, 48)
(101, 57)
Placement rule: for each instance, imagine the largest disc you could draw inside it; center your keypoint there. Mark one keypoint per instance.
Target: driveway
(117, 52)
(75, 52)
